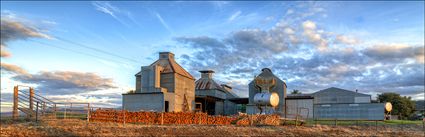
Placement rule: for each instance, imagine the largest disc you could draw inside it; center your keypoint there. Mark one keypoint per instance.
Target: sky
(89, 51)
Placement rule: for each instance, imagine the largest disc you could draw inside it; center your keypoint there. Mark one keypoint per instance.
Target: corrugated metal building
(162, 86)
(354, 111)
(337, 95)
(213, 98)
(334, 103)
(299, 104)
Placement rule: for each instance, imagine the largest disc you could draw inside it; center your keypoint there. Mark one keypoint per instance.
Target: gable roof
(334, 89)
(170, 66)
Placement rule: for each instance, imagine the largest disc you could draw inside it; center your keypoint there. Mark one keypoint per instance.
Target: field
(82, 128)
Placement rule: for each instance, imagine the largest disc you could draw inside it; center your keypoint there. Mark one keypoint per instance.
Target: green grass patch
(366, 123)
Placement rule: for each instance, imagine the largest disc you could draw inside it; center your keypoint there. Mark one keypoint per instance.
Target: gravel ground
(82, 128)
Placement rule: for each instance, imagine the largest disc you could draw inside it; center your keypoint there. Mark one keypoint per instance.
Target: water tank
(271, 99)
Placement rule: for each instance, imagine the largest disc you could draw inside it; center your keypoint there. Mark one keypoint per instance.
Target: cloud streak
(114, 12)
(163, 23)
(234, 16)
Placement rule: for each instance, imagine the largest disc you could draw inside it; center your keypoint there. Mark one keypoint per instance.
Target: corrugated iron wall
(360, 111)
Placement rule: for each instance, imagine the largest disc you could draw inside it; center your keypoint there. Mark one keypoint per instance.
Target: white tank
(271, 99)
(388, 107)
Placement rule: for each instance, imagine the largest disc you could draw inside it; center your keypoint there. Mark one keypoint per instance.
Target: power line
(94, 49)
(75, 51)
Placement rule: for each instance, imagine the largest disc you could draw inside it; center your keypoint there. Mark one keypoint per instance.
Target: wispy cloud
(107, 8)
(163, 22)
(234, 16)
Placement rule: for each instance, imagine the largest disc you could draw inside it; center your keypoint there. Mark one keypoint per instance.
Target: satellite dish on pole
(388, 107)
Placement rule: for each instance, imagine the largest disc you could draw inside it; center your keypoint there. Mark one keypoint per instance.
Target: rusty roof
(206, 84)
(171, 66)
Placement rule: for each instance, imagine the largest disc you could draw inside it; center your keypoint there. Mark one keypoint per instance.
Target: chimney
(266, 69)
(206, 74)
(166, 55)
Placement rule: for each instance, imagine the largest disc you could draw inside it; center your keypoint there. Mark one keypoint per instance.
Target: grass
(362, 123)
(417, 122)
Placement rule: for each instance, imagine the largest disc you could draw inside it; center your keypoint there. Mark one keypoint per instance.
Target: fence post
(376, 124)
(54, 110)
(88, 112)
(250, 121)
(44, 108)
(64, 115)
(123, 116)
(162, 118)
(15, 103)
(36, 112)
(296, 120)
(31, 99)
(336, 121)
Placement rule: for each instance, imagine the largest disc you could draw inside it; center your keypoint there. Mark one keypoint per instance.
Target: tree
(403, 106)
(295, 91)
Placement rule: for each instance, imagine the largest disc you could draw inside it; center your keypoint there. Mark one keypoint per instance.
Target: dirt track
(81, 128)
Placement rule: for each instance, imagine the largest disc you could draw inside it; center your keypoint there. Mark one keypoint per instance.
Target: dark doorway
(166, 106)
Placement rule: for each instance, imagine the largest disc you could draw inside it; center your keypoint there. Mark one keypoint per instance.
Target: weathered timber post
(123, 116)
(296, 120)
(36, 112)
(44, 108)
(162, 118)
(88, 112)
(31, 99)
(15, 103)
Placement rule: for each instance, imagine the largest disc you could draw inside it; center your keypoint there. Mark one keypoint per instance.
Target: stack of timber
(108, 115)
(246, 120)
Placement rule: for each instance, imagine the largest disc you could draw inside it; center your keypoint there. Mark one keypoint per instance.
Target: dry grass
(82, 128)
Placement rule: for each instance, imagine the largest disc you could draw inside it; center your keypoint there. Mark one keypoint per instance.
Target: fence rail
(37, 107)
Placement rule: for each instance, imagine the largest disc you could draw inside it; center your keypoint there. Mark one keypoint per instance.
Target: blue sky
(371, 46)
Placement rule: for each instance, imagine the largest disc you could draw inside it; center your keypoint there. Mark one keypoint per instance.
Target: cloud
(4, 52)
(234, 16)
(66, 82)
(346, 40)
(115, 12)
(302, 55)
(395, 52)
(60, 82)
(12, 30)
(163, 22)
(314, 36)
(13, 69)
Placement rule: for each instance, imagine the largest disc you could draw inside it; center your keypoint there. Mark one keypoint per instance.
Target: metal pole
(64, 116)
(376, 124)
(15, 103)
(335, 122)
(54, 110)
